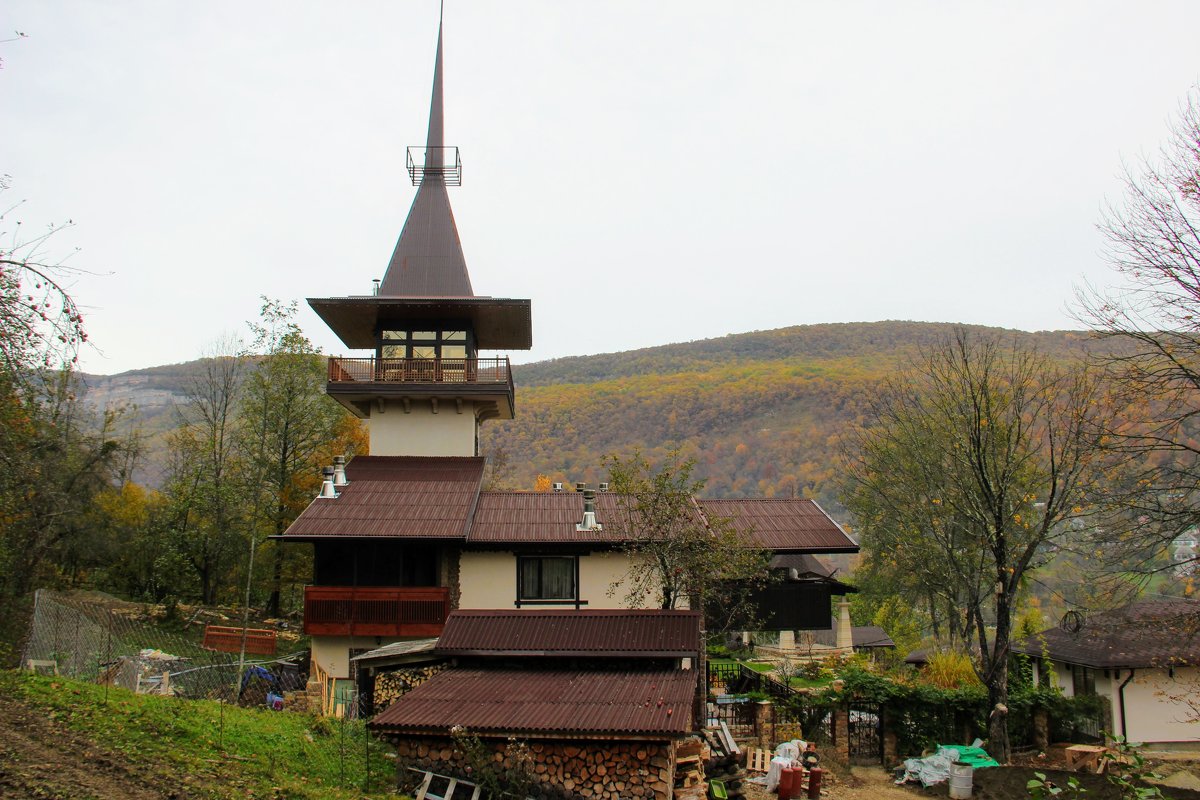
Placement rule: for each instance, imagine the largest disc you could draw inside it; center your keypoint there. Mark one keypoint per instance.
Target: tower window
(451, 343)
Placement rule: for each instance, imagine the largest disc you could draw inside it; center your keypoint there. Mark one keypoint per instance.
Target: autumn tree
(680, 558)
(206, 502)
(288, 430)
(1151, 322)
(980, 458)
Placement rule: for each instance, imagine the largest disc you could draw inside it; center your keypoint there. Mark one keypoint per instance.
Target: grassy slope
(254, 754)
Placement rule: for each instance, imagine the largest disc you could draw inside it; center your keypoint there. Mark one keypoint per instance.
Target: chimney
(327, 489)
(604, 486)
(339, 472)
(375, 286)
(579, 485)
(589, 511)
(557, 486)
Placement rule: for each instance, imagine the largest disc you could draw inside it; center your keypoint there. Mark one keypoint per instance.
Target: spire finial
(434, 142)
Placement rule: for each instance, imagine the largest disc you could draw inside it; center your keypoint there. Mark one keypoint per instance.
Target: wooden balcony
(488, 372)
(375, 611)
(356, 383)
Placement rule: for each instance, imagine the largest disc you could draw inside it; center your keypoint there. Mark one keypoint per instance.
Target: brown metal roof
(611, 633)
(542, 518)
(498, 323)
(397, 496)
(1149, 633)
(546, 703)
(787, 525)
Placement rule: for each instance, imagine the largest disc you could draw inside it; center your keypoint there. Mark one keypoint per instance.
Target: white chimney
(339, 472)
(604, 487)
(327, 489)
(589, 512)
(557, 487)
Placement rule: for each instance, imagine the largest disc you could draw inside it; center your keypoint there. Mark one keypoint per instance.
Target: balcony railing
(371, 611)
(467, 371)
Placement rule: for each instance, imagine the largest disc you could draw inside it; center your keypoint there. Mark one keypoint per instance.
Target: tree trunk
(276, 581)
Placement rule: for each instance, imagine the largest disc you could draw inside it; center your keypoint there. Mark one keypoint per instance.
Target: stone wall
(589, 770)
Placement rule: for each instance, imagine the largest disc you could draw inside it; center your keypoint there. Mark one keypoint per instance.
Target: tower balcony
(356, 382)
(375, 611)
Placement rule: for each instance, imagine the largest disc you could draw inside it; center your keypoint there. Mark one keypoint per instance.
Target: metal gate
(866, 733)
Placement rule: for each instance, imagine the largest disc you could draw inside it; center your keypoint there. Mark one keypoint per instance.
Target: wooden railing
(259, 641)
(372, 611)
(485, 371)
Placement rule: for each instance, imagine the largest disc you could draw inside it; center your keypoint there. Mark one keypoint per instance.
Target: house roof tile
(558, 632)
(783, 525)
(1149, 633)
(546, 702)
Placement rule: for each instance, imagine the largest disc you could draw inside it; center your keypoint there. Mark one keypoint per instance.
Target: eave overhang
(498, 323)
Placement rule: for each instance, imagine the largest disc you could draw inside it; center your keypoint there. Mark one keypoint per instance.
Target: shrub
(950, 670)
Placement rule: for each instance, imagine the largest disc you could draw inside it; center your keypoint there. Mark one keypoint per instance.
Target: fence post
(764, 713)
(841, 734)
(889, 738)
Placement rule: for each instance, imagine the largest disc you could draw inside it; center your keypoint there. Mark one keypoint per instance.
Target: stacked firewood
(722, 765)
(391, 686)
(690, 756)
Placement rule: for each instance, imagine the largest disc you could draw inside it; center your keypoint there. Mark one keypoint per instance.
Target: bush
(950, 670)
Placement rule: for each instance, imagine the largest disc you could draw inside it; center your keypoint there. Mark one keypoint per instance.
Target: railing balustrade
(421, 370)
(375, 611)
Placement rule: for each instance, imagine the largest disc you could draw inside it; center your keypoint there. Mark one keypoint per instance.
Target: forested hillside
(761, 412)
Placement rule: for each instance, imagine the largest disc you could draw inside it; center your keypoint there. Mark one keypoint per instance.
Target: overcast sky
(646, 172)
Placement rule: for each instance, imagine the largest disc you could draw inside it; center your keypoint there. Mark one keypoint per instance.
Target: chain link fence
(113, 643)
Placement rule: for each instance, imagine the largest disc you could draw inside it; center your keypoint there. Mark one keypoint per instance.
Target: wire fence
(114, 644)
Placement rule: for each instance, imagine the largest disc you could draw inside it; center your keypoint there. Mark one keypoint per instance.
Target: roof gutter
(1121, 702)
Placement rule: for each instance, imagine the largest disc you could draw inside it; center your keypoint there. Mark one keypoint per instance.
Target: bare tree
(980, 458)
(1152, 323)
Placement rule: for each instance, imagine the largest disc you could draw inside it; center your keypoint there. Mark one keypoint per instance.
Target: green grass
(759, 666)
(810, 683)
(218, 752)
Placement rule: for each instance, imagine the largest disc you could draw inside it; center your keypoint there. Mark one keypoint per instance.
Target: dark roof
(547, 703)
(860, 636)
(784, 525)
(428, 260)
(1149, 633)
(611, 633)
(806, 566)
(541, 517)
(397, 496)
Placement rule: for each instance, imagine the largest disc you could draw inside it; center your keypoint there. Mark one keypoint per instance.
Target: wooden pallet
(757, 759)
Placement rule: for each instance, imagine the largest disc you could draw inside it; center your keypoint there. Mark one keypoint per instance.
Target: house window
(547, 579)
(1083, 680)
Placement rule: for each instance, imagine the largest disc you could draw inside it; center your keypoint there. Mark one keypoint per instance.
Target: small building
(599, 699)
(1144, 659)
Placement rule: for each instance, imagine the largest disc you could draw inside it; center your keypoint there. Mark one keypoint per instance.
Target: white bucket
(961, 780)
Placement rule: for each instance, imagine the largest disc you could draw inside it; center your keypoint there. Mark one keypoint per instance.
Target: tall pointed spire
(435, 140)
(428, 260)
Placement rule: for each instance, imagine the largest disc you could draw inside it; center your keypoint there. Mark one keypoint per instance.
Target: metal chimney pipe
(604, 486)
(557, 486)
(579, 486)
(589, 512)
(327, 489)
(339, 472)
(375, 286)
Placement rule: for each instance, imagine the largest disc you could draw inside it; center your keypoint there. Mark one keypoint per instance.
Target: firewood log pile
(391, 686)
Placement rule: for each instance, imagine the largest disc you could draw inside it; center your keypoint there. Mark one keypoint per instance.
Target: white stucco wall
(1152, 712)
(333, 652)
(420, 432)
(489, 580)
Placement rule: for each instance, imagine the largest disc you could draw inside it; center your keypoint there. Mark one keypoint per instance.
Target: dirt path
(863, 783)
(42, 759)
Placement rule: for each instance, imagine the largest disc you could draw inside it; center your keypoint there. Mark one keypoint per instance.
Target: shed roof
(612, 633)
(783, 525)
(1148, 633)
(397, 497)
(546, 703)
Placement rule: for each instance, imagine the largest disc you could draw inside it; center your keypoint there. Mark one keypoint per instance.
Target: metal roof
(610, 633)
(397, 496)
(542, 518)
(428, 260)
(1149, 633)
(405, 648)
(783, 525)
(860, 636)
(546, 703)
